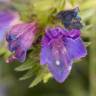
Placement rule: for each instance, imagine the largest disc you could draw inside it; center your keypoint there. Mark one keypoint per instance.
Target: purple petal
(23, 34)
(20, 51)
(20, 54)
(74, 33)
(2, 34)
(54, 32)
(59, 63)
(18, 29)
(20, 39)
(13, 45)
(61, 72)
(44, 55)
(75, 48)
(7, 19)
(28, 37)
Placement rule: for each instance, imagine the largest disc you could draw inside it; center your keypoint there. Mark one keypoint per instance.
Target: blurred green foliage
(82, 80)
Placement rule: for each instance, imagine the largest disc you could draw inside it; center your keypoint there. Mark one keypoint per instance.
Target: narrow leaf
(38, 78)
(28, 75)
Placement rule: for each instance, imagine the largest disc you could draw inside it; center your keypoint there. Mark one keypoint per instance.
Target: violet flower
(7, 19)
(60, 48)
(20, 39)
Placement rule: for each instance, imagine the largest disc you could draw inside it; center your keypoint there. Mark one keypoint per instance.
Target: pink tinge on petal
(28, 35)
(11, 59)
(22, 28)
(20, 39)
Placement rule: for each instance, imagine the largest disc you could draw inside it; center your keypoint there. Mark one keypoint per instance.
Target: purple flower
(60, 48)
(20, 39)
(7, 19)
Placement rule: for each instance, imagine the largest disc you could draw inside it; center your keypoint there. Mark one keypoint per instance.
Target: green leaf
(38, 78)
(33, 67)
(28, 75)
(24, 67)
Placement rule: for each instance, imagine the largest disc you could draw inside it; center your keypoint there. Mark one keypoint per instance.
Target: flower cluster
(60, 46)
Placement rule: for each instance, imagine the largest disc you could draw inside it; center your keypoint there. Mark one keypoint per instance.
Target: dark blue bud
(70, 18)
(10, 37)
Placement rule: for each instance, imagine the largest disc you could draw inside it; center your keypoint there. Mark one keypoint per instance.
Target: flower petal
(7, 17)
(20, 39)
(74, 33)
(20, 54)
(24, 32)
(59, 63)
(2, 34)
(44, 55)
(27, 39)
(19, 50)
(75, 48)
